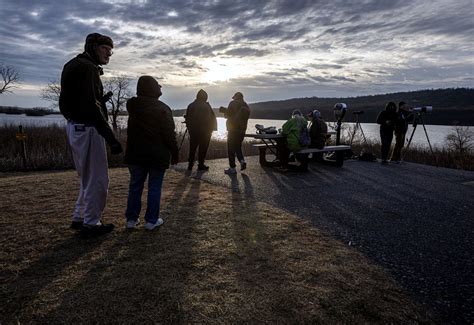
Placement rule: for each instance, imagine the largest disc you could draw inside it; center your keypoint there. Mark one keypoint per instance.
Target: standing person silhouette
(82, 103)
(401, 128)
(200, 121)
(387, 119)
(151, 144)
(237, 114)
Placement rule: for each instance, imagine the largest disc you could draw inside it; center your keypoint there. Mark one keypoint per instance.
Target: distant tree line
(34, 111)
(450, 106)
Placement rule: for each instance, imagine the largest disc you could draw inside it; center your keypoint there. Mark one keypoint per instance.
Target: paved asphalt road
(416, 221)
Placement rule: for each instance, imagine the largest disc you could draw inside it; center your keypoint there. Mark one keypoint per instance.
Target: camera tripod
(358, 126)
(416, 121)
(182, 140)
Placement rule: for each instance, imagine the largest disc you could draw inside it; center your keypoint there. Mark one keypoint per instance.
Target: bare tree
(120, 87)
(51, 92)
(461, 139)
(9, 78)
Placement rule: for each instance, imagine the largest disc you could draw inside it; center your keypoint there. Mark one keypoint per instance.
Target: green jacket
(292, 129)
(151, 138)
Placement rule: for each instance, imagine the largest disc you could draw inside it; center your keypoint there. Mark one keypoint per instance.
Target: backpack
(304, 138)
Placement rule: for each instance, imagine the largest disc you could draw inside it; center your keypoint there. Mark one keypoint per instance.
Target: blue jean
(138, 175)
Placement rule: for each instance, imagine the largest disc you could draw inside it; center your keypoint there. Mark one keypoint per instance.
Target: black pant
(284, 154)
(386, 141)
(200, 140)
(234, 146)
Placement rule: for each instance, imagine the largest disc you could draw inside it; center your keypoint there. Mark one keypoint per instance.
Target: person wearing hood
(237, 115)
(292, 130)
(151, 145)
(387, 120)
(82, 103)
(318, 130)
(318, 133)
(200, 121)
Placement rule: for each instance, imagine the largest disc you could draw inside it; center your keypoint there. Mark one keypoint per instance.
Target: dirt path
(220, 257)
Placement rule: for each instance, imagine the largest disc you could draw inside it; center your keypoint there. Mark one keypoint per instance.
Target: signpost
(21, 136)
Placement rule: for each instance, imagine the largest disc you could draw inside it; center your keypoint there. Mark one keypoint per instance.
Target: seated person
(318, 133)
(293, 142)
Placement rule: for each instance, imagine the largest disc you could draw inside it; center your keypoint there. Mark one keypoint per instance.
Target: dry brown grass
(219, 258)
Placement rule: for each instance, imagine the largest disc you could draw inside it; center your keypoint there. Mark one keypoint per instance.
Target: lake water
(436, 133)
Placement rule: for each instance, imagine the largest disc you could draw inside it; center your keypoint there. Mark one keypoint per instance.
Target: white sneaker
(230, 171)
(151, 226)
(131, 224)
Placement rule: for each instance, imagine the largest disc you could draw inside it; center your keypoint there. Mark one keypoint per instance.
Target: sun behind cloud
(224, 69)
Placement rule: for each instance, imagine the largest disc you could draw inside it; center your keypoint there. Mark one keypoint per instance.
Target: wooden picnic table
(270, 142)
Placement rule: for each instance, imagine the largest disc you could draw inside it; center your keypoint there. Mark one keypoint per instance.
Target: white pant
(90, 159)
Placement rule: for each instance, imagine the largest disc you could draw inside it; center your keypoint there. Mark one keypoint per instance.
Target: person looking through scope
(387, 119)
(404, 115)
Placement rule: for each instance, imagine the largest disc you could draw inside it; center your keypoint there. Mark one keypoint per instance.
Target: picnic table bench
(269, 142)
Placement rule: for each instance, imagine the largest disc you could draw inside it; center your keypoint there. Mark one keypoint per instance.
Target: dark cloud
(374, 43)
(245, 52)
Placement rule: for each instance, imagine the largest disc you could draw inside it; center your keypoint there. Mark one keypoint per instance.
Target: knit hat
(96, 39)
(296, 112)
(202, 95)
(238, 95)
(147, 86)
(315, 113)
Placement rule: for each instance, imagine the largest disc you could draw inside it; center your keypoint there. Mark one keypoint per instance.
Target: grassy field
(219, 258)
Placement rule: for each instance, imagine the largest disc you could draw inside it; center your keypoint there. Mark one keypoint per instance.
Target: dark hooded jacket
(237, 114)
(151, 138)
(318, 132)
(81, 97)
(387, 119)
(200, 118)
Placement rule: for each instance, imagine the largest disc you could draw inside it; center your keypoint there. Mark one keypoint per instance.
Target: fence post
(21, 136)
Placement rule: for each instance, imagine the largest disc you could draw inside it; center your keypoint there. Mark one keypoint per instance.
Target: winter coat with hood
(388, 118)
(237, 114)
(318, 132)
(200, 118)
(151, 138)
(292, 130)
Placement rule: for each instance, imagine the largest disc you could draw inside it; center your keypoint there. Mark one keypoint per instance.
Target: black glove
(116, 148)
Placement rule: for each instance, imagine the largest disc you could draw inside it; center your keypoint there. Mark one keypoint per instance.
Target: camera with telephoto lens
(358, 112)
(423, 109)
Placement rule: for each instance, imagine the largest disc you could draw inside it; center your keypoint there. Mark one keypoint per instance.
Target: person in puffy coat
(200, 121)
(151, 145)
(318, 130)
(292, 130)
(237, 115)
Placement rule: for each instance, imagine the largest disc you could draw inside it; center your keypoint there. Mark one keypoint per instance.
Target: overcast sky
(269, 50)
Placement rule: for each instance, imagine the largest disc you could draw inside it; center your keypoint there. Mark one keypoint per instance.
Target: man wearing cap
(82, 103)
(200, 121)
(237, 114)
